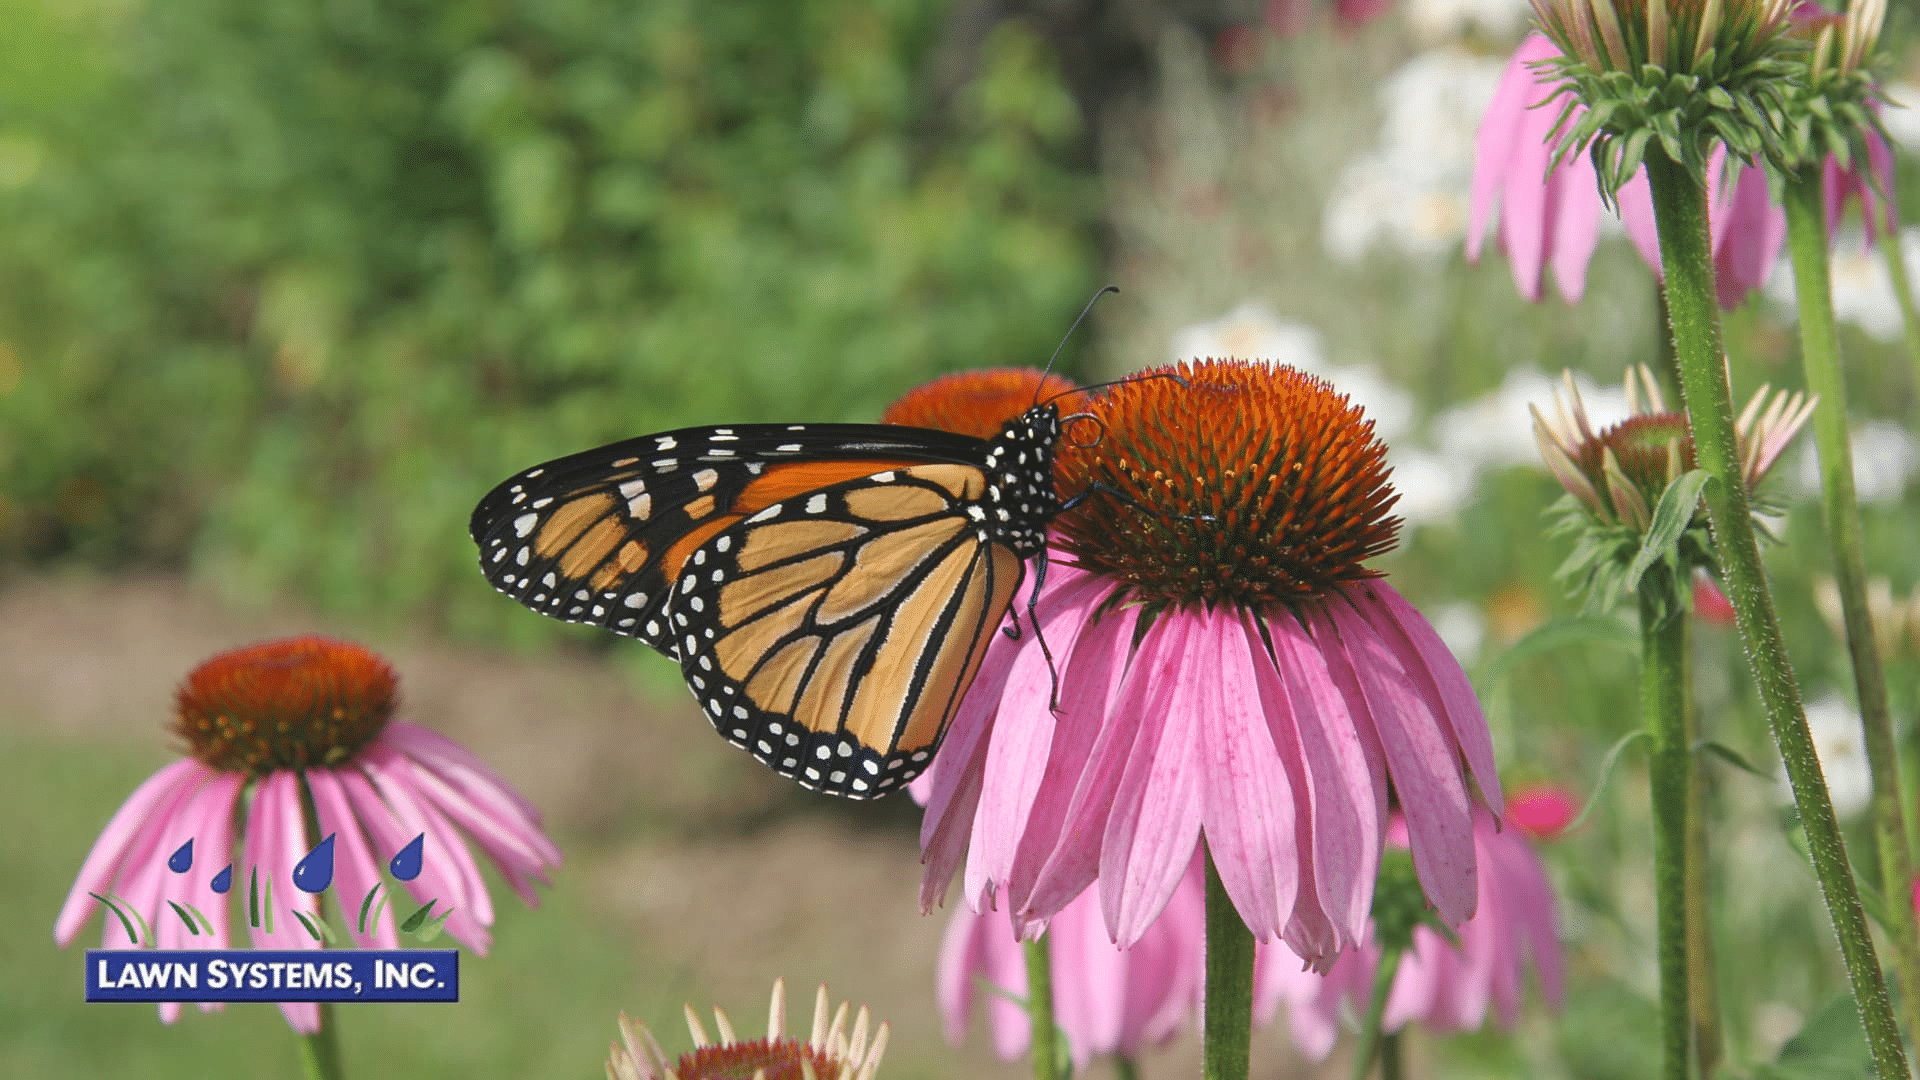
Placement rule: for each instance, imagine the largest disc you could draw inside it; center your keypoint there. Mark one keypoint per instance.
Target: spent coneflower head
(1228, 669)
(308, 725)
(831, 1051)
(978, 403)
(1616, 476)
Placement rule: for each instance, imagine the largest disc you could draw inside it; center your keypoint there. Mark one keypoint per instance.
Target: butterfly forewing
(832, 635)
(597, 536)
(828, 589)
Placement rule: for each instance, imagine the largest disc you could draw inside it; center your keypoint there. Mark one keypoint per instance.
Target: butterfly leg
(1033, 618)
(1013, 631)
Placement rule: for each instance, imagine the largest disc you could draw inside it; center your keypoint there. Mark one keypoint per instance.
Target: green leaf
(192, 927)
(1730, 756)
(1831, 1045)
(413, 921)
(1558, 634)
(1670, 519)
(125, 923)
(1606, 770)
(367, 905)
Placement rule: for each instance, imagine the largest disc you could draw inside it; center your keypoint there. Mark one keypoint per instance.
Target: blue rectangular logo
(195, 975)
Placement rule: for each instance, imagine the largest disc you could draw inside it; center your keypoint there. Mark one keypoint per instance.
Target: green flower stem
(1390, 1057)
(1703, 991)
(1227, 1028)
(1820, 353)
(1125, 1068)
(320, 1051)
(1046, 1055)
(1371, 1042)
(1663, 706)
(1680, 212)
(1903, 291)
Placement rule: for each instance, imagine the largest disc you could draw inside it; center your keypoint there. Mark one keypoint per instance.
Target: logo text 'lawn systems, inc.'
(342, 974)
(273, 975)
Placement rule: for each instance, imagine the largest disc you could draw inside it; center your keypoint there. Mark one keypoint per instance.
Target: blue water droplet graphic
(223, 880)
(314, 872)
(405, 863)
(181, 860)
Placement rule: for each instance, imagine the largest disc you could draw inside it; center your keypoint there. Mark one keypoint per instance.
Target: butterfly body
(828, 590)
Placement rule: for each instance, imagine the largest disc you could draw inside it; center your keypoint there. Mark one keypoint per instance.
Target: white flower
(1410, 191)
(1439, 20)
(1496, 431)
(1431, 488)
(1862, 290)
(1251, 332)
(1884, 455)
(1902, 116)
(1840, 742)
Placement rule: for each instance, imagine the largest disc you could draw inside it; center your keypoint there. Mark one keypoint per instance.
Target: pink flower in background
(1542, 811)
(1711, 605)
(1552, 217)
(1439, 985)
(1109, 1000)
(1240, 678)
(305, 718)
(1841, 186)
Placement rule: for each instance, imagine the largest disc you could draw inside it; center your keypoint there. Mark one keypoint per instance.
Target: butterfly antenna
(1084, 312)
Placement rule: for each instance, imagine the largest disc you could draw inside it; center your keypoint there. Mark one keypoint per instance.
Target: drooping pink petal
(104, 862)
(1420, 759)
(276, 839)
(1749, 241)
(466, 896)
(958, 769)
(1501, 128)
(440, 880)
(1090, 679)
(961, 953)
(1017, 750)
(1154, 821)
(1419, 646)
(356, 865)
(1347, 781)
(205, 816)
(144, 873)
(516, 848)
(1247, 803)
(1575, 208)
(458, 765)
(1065, 860)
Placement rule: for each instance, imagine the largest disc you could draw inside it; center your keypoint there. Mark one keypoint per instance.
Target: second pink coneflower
(304, 722)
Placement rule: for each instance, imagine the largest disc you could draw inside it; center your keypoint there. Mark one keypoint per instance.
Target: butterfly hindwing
(833, 633)
(597, 537)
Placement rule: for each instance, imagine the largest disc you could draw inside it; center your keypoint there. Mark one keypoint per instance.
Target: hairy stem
(1680, 212)
(1703, 990)
(1227, 1032)
(1372, 1041)
(1663, 707)
(320, 1051)
(1820, 355)
(1046, 1055)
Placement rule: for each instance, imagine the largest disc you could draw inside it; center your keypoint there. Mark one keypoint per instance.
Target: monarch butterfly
(829, 590)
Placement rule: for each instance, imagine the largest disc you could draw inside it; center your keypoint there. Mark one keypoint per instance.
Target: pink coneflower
(1108, 1000)
(1552, 217)
(830, 1052)
(1439, 985)
(308, 718)
(1228, 669)
(977, 403)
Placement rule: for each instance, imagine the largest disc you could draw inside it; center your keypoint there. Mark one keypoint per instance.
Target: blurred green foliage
(286, 286)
